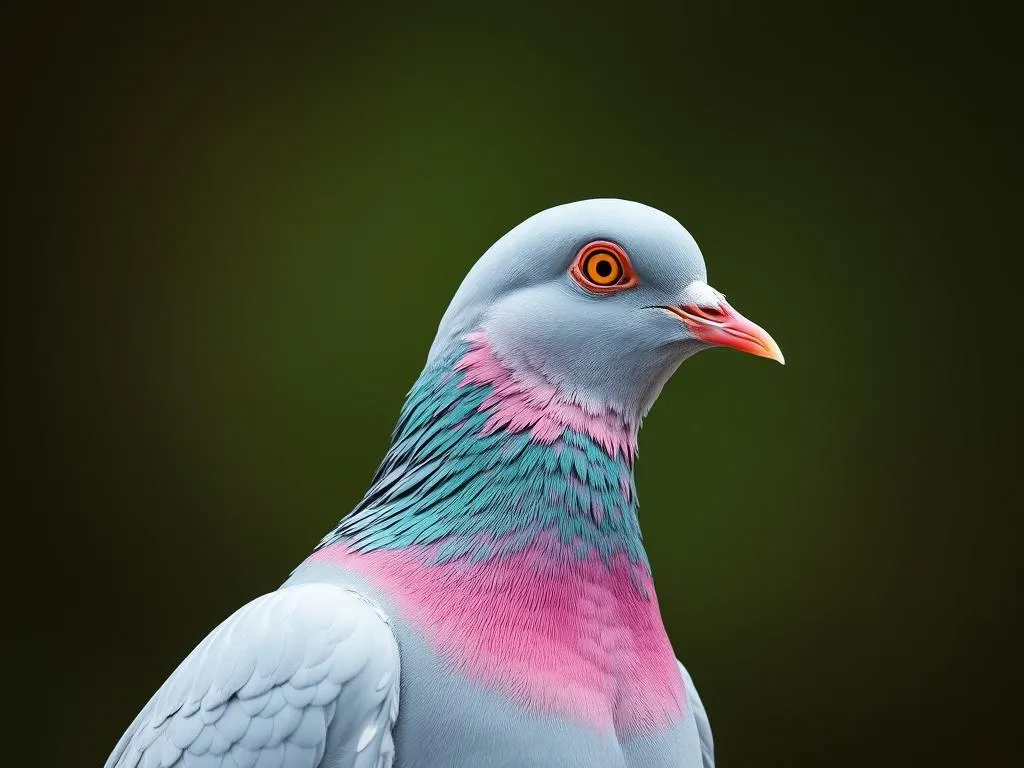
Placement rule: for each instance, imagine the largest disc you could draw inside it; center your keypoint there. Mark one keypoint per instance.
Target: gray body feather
(304, 677)
(700, 718)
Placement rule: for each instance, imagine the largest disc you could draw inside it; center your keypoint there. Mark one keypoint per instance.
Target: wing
(707, 742)
(303, 677)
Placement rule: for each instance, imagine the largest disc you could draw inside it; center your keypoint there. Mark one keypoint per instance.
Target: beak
(723, 326)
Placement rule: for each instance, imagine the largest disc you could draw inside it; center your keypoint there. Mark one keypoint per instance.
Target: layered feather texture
(483, 462)
(265, 688)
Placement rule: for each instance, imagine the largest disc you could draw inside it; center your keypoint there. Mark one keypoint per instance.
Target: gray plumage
(304, 673)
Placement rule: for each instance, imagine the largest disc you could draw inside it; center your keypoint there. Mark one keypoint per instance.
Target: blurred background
(233, 233)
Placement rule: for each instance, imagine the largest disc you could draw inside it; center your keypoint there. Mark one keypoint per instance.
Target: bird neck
(487, 463)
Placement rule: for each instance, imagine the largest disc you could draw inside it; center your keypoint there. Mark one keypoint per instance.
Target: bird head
(602, 299)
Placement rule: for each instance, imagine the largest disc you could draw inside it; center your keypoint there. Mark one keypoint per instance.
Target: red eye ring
(603, 267)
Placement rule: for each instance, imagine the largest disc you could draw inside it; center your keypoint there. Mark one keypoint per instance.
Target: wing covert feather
(304, 677)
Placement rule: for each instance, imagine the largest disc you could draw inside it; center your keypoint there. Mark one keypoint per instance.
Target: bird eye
(603, 267)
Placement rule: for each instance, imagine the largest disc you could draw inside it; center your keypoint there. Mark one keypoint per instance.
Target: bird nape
(493, 578)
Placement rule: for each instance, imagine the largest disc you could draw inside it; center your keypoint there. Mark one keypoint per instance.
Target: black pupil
(603, 267)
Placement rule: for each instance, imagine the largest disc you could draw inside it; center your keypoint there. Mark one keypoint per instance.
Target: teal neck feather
(450, 479)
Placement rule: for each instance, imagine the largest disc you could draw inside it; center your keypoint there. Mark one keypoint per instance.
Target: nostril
(711, 312)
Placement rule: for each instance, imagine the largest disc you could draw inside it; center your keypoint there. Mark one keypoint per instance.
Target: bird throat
(488, 464)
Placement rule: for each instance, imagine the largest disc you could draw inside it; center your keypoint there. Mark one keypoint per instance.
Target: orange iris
(603, 267)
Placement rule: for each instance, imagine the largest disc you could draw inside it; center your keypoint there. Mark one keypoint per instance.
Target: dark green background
(235, 233)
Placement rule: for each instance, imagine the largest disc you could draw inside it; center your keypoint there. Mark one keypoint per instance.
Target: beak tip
(766, 346)
(775, 354)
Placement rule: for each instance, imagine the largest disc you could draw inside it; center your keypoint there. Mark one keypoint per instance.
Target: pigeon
(489, 601)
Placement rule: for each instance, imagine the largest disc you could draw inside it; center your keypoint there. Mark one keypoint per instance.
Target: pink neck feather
(569, 637)
(517, 404)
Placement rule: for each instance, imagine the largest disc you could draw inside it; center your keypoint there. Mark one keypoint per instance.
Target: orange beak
(725, 327)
